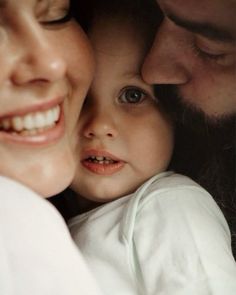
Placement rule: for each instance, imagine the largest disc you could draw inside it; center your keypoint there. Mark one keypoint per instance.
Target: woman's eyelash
(67, 17)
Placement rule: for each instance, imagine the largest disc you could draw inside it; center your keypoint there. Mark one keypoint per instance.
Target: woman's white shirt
(37, 254)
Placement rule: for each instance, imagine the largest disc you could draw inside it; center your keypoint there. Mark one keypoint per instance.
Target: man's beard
(189, 115)
(205, 150)
(198, 138)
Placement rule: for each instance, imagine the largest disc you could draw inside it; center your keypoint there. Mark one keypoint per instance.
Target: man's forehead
(198, 3)
(3, 3)
(217, 17)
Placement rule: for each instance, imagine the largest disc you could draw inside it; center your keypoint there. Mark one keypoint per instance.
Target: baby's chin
(102, 198)
(107, 195)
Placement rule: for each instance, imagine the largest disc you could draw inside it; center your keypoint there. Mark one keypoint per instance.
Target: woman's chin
(51, 184)
(47, 177)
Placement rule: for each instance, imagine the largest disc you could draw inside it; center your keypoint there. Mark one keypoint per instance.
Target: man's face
(195, 49)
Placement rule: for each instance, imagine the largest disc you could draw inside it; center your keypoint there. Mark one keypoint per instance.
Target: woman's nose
(36, 58)
(99, 124)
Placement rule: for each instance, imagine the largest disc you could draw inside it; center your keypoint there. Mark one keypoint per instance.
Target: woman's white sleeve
(37, 254)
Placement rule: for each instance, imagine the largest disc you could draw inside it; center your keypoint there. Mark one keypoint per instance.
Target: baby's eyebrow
(205, 29)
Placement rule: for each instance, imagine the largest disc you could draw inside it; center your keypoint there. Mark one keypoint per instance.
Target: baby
(146, 230)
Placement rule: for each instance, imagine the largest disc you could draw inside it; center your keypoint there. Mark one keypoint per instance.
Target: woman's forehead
(12, 3)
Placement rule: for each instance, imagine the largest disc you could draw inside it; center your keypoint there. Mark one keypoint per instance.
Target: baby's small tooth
(99, 158)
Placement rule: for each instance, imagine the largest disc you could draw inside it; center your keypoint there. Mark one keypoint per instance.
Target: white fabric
(37, 254)
(168, 238)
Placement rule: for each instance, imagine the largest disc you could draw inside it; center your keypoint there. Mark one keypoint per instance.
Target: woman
(40, 44)
(41, 93)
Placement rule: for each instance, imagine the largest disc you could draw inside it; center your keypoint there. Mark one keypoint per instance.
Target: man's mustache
(190, 117)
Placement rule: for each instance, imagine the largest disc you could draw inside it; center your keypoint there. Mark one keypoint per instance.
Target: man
(193, 64)
(195, 49)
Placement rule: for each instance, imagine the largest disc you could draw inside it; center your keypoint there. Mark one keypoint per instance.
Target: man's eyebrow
(3, 3)
(205, 29)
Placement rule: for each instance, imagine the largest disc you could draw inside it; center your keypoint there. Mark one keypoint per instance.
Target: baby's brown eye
(132, 95)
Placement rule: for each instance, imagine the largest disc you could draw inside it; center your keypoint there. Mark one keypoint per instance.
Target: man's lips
(101, 162)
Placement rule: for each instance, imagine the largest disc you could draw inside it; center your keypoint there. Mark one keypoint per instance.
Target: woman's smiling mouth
(39, 126)
(32, 123)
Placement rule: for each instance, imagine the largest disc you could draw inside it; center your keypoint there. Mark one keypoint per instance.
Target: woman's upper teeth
(31, 121)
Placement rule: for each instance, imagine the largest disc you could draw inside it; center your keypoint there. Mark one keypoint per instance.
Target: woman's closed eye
(66, 15)
(61, 17)
(56, 13)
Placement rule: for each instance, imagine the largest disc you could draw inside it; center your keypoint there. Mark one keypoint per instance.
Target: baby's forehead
(116, 36)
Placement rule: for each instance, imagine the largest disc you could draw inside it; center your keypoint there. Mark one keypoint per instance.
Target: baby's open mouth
(102, 163)
(32, 123)
(100, 160)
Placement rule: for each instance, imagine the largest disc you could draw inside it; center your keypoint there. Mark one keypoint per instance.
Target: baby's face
(124, 137)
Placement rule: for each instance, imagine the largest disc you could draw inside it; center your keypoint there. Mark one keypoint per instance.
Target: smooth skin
(46, 62)
(195, 49)
(120, 119)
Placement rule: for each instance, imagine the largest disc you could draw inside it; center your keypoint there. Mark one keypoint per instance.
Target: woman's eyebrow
(205, 29)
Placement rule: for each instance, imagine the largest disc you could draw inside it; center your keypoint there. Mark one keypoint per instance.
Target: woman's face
(46, 69)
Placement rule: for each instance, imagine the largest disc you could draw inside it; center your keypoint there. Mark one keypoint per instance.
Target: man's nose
(164, 62)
